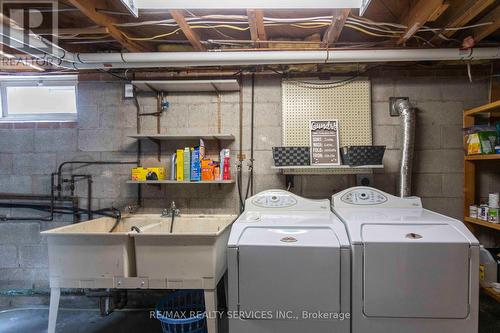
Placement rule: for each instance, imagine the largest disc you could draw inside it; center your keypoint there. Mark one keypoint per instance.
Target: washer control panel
(363, 197)
(274, 200)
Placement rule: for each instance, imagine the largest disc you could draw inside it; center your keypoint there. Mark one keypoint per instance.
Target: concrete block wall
(30, 152)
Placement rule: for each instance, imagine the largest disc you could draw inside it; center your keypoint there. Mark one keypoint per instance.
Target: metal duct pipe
(407, 116)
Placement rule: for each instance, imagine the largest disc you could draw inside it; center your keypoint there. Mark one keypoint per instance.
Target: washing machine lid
(412, 233)
(289, 236)
(361, 206)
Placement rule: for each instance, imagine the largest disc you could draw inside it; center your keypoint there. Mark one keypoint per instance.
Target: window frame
(35, 81)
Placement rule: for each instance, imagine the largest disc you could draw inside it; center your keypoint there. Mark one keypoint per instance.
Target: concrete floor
(78, 321)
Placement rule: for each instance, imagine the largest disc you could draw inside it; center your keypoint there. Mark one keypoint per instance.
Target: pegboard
(349, 101)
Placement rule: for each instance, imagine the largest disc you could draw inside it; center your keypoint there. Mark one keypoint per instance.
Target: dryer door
(415, 271)
(289, 270)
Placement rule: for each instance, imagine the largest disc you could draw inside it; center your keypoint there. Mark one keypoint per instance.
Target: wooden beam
(190, 34)
(484, 31)
(418, 15)
(459, 16)
(88, 8)
(332, 34)
(74, 31)
(257, 29)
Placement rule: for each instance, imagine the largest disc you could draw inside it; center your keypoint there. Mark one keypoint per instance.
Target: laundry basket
(182, 312)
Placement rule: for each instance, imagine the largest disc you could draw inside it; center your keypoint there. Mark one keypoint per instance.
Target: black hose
(61, 166)
(239, 185)
(118, 218)
(172, 221)
(109, 212)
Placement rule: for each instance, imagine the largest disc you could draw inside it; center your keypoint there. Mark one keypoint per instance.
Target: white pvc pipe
(193, 59)
(61, 58)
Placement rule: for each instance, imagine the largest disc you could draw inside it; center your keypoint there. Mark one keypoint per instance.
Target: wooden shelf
(492, 293)
(482, 157)
(150, 182)
(482, 223)
(490, 107)
(180, 137)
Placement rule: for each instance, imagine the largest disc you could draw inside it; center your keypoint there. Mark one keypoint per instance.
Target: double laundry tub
(88, 255)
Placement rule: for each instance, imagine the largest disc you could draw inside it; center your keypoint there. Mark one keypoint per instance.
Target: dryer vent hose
(408, 118)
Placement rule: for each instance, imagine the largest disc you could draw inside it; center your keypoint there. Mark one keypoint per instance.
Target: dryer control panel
(274, 199)
(277, 200)
(362, 196)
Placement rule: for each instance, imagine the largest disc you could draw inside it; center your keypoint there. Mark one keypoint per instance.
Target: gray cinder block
(33, 256)
(19, 233)
(8, 257)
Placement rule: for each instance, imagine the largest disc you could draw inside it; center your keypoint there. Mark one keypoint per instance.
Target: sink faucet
(170, 212)
(132, 208)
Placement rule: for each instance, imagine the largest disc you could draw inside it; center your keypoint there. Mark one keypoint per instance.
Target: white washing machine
(413, 270)
(288, 266)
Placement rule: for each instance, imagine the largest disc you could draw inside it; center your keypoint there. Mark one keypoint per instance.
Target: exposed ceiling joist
(459, 16)
(74, 31)
(332, 34)
(257, 29)
(88, 8)
(190, 34)
(418, 15)
(484, 31)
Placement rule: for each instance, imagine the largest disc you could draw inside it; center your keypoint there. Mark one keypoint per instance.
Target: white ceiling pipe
(209, 58)
(194, 59)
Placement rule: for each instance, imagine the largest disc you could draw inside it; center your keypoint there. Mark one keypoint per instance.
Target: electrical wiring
(368, 21)
(368, 32)
(374, 28)
(151, 38)
(240, 23)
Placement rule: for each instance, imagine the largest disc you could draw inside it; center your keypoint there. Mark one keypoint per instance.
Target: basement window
(39, 98)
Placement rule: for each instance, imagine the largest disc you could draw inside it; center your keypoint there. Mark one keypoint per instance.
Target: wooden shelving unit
(482, 157)
(482, 223)
(471, 167)
(492, 293)
(487, 108)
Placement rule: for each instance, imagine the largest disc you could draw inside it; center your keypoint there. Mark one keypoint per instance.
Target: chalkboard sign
(324, 142)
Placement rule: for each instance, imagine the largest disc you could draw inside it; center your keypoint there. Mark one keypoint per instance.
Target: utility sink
(88, 255)
(192, 256)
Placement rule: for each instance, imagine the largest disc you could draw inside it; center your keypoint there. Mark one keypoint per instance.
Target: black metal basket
(291, 156)
(362, 155)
